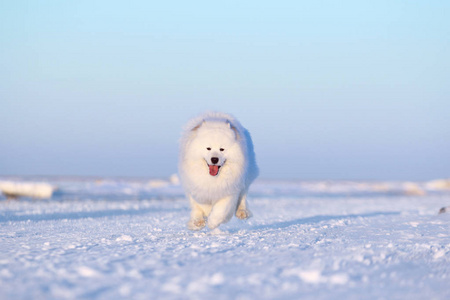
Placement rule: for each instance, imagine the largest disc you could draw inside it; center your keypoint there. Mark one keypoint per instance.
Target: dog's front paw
(196, 224)
(213, 224)
(243, 214)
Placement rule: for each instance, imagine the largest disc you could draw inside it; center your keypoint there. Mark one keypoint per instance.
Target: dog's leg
(222, 211)
(242, 211)
(198, 214)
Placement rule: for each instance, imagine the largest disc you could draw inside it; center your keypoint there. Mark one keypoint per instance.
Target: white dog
(217, 165)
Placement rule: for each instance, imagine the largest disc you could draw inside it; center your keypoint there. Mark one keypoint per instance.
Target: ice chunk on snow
(338, 279)
(315, 276)
(439, 254)
(217, 279)
(311, 276)
(13, 189)
(124, 238)
(87, 272)
(174, 179)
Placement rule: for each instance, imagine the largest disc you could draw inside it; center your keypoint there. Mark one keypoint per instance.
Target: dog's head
(215, 142)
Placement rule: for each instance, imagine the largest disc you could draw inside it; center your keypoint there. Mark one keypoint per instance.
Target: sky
(329, 90)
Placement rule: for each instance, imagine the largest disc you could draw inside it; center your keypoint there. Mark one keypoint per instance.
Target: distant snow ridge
(13, 189)
(159, 183)
(439, 184)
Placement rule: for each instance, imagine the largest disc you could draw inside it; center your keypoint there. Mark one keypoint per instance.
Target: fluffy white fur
(214, 199)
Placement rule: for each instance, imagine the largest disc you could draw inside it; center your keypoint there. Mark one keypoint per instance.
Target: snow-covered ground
(117, 238)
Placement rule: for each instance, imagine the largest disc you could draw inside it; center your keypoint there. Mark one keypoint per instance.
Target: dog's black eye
(221, 149)
(209, 149)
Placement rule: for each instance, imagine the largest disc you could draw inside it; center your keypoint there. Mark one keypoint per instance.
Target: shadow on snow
(318, 219)
(85, 214)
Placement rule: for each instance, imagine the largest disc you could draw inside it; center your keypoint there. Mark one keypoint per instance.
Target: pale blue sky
(328, 89)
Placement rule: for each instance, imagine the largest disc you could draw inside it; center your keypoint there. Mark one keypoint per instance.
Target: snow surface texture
(127, 239)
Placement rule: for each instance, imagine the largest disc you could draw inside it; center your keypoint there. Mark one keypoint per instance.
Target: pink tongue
(213, 170)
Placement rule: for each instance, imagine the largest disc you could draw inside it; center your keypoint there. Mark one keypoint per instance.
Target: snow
(127, 239)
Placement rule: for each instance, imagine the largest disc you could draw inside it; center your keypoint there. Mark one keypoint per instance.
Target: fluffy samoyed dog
(216, 166)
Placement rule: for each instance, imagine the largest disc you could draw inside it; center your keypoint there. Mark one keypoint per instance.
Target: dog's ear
(236, 133)
(198, 126)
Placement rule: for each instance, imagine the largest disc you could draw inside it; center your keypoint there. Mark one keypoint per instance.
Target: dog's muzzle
(214, 168)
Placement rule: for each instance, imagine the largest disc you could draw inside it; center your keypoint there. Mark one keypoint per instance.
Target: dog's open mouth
(213, 170)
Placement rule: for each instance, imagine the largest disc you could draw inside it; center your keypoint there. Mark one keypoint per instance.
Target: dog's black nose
(214, 160)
